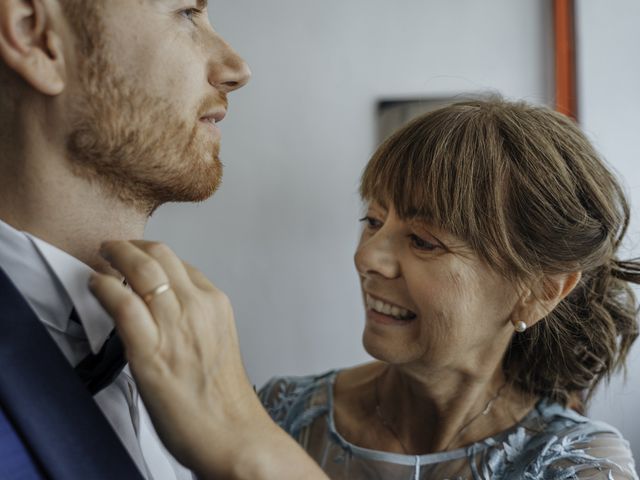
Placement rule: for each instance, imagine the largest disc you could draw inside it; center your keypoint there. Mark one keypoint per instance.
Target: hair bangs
(445, 169)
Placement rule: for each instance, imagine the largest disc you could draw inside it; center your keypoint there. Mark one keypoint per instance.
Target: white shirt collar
(53, 282)
(74, 277)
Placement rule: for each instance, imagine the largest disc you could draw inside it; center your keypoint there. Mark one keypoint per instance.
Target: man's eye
(191, 14)
(421, 244)
(371, 222)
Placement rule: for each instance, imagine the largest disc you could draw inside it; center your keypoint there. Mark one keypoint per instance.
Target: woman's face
(428, 297)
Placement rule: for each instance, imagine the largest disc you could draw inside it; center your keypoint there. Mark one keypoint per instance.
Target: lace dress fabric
(550, 443)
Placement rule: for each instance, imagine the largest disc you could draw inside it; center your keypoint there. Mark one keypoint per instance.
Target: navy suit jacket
(50, 426)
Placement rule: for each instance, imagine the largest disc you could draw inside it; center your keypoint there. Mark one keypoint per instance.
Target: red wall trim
(565, 57)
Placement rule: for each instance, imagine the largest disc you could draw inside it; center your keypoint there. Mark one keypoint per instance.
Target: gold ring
(159, 290)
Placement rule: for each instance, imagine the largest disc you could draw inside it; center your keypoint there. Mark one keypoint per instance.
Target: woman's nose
(376, 256)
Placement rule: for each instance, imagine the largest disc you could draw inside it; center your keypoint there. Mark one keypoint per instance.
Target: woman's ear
(534, 305)
(30, 45)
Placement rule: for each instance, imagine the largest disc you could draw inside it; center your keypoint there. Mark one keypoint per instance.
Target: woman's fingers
(183, 348)
(148, 279)
(197, 277)
(169, 262)
(135, 325)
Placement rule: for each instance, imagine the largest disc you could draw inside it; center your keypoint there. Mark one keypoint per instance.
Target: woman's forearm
(194, 386)
(268, 454)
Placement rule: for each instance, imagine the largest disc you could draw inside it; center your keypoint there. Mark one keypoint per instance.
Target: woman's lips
(382, 319)
(383, 312)
(386, 308)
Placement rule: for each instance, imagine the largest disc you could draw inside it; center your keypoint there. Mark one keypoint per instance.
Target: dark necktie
(100, 370)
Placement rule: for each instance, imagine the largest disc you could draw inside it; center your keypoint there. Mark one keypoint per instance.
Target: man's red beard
(137, 146)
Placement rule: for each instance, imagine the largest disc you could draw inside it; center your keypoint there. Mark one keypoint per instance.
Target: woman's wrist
(216, 448)
(255, 448)
(270, 453)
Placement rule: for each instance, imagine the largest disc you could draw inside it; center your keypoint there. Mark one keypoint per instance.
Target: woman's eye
(422, 244)
(371, 222)
(191, 14)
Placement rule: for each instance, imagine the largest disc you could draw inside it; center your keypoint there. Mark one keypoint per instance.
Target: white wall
(279, 235)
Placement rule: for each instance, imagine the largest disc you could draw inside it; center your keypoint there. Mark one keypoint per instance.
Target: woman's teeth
(388, 309)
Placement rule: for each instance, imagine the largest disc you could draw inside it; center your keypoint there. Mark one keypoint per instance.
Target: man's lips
(215, 116)
(211, 120)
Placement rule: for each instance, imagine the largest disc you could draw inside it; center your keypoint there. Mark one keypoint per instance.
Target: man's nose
(227, 70)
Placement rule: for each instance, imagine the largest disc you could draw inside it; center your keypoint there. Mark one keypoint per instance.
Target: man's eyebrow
(200, 4)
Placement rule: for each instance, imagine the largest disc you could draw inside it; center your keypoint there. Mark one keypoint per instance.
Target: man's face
(149, 91)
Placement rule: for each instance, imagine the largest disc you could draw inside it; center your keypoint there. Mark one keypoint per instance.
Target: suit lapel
(48, 405)
(15, 459)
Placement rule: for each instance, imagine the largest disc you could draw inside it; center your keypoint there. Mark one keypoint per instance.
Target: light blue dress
(550, 443)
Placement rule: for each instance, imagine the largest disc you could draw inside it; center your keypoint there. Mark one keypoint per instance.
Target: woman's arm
(183, 351)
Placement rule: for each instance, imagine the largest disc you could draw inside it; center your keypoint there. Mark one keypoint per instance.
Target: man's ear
(30, 46)
(534, 305)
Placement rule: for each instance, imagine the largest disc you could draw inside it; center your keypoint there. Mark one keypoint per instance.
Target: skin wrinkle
(449, 350)
(449, 294)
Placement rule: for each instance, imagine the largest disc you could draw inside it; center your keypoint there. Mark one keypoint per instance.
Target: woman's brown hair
(523, 186)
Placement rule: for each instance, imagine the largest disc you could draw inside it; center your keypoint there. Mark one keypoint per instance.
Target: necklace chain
(389, 425)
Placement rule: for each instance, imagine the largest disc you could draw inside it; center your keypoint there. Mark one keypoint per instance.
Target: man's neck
(46, 199)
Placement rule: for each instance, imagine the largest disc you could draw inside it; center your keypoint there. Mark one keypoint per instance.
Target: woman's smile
(388, 308)
(384, 312)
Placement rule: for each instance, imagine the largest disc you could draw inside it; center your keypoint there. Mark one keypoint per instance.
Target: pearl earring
(520, 326)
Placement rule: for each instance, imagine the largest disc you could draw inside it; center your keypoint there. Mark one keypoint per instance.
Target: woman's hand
(183, 351)
(182, 346)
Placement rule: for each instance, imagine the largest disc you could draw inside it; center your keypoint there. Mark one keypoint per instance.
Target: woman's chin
(387, 347)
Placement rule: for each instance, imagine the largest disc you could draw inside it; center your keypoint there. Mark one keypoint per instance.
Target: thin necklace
(389, 425)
